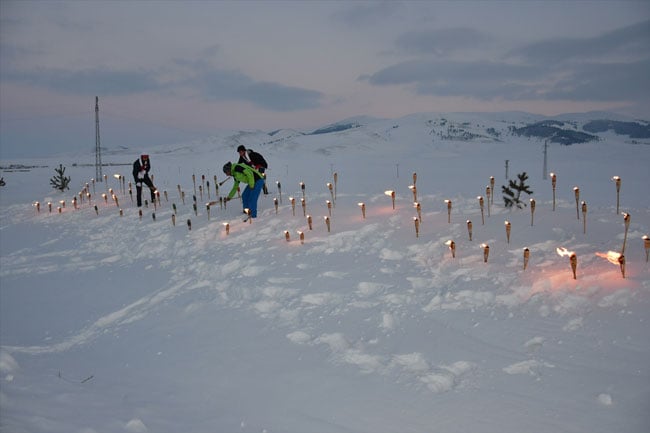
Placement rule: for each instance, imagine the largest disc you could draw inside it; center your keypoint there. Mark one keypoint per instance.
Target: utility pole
(545, 159)
(98, 148)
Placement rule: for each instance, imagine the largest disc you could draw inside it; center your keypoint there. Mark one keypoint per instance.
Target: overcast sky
(167, 70)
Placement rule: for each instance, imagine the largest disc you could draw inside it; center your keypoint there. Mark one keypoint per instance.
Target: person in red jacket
(141, 168)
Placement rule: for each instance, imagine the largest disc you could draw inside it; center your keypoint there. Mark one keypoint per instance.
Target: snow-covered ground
(116, 323)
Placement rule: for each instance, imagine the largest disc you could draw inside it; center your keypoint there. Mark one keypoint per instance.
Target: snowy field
(114, 323)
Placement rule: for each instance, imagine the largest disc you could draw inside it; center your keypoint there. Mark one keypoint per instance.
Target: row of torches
(85, 194)
(613, 257)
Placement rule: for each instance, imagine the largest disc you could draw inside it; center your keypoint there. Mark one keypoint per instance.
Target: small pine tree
(512, 192)
(60, 181)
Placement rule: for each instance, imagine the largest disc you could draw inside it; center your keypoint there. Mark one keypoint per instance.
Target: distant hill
(564, 129)
(335, 128)
(632, 129)
(555, 131)
(424, 130)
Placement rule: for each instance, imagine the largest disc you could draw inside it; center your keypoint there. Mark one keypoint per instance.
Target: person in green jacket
(254, 183)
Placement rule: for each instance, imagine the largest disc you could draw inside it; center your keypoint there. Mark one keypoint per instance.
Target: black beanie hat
(226, 167)
(241, 148)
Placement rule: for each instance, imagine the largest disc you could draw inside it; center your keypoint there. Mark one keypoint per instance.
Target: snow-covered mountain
(431, 127)
(115, 322)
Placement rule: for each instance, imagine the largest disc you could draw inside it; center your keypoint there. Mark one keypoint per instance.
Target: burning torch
(448, 210)
(573, 258)
(617, 180)
(492, 187)
(486, 252)
(532, 211)
(626, 219)
(487, 194)
(414, 189)
(553, 183)
(526, 257)
(391, 194)
(452, 247)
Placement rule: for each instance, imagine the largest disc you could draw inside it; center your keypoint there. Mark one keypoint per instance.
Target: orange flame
(563, 252)
(612, 256)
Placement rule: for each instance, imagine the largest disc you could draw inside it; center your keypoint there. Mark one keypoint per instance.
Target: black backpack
(257, 159)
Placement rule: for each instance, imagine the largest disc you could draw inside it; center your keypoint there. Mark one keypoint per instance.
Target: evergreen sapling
(512, 192)
(60, 181)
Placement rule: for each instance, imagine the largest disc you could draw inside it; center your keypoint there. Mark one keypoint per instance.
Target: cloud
(482, 79)
(442, 42)
(198, 77)
(87, 82)
(367, 13)
(614, 66)
(605, 82)
(214, 84)
(629, 42)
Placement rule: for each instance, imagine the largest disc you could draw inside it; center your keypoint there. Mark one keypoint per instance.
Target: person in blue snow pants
(254, 183)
